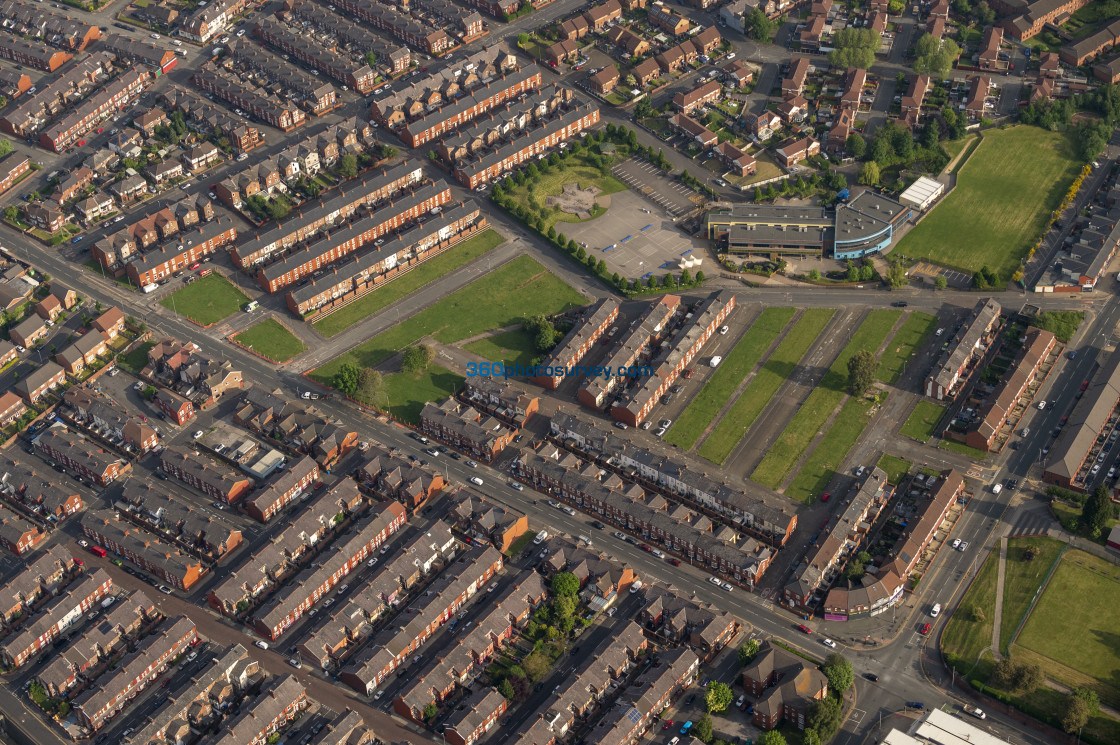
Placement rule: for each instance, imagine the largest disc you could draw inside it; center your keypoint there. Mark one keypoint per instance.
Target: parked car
(804, 629)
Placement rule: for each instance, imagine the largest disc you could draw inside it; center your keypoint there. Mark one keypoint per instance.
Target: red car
(688, 372)
(675, 562)
(100, 130)
(667, 724)
(804, 629)
(1085, 385)
(826, 496)
(645, 547)
(925, 628)
(194, 266)
(81, 143)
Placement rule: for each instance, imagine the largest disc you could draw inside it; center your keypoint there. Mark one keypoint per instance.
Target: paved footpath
(998, 612)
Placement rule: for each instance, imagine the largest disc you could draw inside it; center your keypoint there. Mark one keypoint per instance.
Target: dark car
(915, 705)
(872, 677)
(161, 475)
(900, 304)
(690, 699)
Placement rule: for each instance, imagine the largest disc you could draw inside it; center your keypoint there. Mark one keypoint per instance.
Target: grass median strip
(740, 361)
(818, 407)
(500, 299)
(406, 284)
(821, 465)
(742, 415)
(914, 331)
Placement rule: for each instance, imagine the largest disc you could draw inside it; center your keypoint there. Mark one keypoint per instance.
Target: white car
(262, 645)
(723, 330)
(472, 464)
(727, 586)
(154, 36)
(1041, 405)
(192, 656)
(963, 546)
(517, 485)
(295, 663)
(956, 542)
(714, 581)
(935, 611)
(83, 544)
(476, 481)
(198, 434)
(372, 562)
(828, 643)
(541, 537)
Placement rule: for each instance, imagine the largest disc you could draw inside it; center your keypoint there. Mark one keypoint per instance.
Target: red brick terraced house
(283, 491)
(82, 456)
(392, 647)
(170, 563)
(399, 24)
(215, 480)
(793, 152)
(707, 93)
(486, 522)
(704, 628)
(1005, 399)
(54, 617)
(272, 619)
(466, 429)
(182, 251)
(794, 83)
(175, 407)
(967, 348)
(86, 115)
(470, 723)
(41, 577)
(12, 166)
(12, 408)
(1026, 19)
(282, 700)
(114, 689)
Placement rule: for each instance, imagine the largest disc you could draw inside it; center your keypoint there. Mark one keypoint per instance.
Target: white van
(715, 361)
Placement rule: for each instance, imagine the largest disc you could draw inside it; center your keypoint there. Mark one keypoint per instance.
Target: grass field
(821, 465)
(407, 392)
(1021, 580)
(922, 422)
(821, 402)
(740, 361)
(780, 365)
(406, 284)
(497, 300)
(1003, 200)
(953, 147)
(911, 335)
(508, 346)
(1074, 624)
(574, 170)
(896, 468)
(135, 360)
(207, 300)
(272, 339)
(960, 447)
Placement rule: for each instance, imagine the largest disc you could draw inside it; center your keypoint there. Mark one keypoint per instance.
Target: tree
(1090, 697)
(862, 367)
(935, 57)
(631, 81)
(718, 697)
(855, 570)
(984, 13)
(522, 39)
(839, 672)
(810, 737)
(565, 583)
(369, 384)
(1031, 552)
(1075, 715)
(747, 652)
(1096, 512)
(348, 166)
(1017, 677)
(417, 358)
(702, 730)
(895, 7)
(564, 606)
(869, 174)
(940, 282)
(977, 614)
(430, 711)
(758, 26)
(815, 275)
(855, 145)
(896, 275)
(11, 213)
(854, 47)
(771, 737)
(520, 684)
(825, 717)
(345, 381)
(506, 689)
(371, 59)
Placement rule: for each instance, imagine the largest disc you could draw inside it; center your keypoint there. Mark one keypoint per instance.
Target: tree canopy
(839, 672)
(718, 697)
(747, 652)
(862, 367)
(935, 57)
(565, 584)
(854, 47)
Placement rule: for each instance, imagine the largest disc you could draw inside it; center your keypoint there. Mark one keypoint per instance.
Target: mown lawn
(135, 360)
(922, 422)
(964, 639)
(406, 393)
(741, 416)
(818, 407)
(574, 170)
(1005, 194)
(516, 347)
(896, 468)
(406, 284)
(1074, 622)
(740, 361)
(911, 335)
(821, 465)
(501, 298)
(1021, 580)
(272, 339)
(207, 300)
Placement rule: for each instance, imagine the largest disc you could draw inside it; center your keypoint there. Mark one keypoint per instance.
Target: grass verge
(922, 422)
(497, 300)
(390, 293)
(821, 465)
(271, 339)
(821, 402)
(896, 468)
(1022, 578)
(741, 416)
(740, 361)
(206, 300)
(965, 637)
